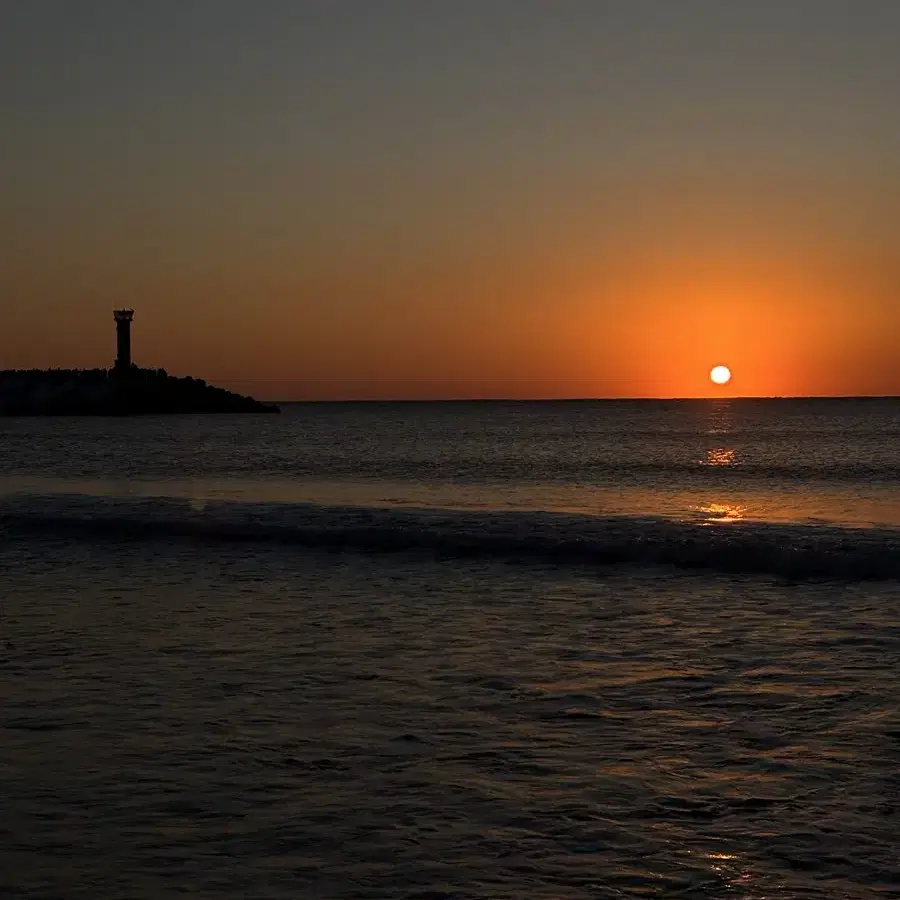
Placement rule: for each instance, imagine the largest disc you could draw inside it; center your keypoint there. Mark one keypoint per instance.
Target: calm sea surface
(440, 651)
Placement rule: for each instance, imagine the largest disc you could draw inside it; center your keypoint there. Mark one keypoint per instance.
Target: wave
(796, 552)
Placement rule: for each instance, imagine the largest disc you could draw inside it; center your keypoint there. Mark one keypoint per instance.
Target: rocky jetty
(114, 392)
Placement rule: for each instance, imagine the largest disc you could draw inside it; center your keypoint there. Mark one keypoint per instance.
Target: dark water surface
(804, 461)
(460, 651)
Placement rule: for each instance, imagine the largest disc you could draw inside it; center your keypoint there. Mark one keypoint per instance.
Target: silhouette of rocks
(111, 392)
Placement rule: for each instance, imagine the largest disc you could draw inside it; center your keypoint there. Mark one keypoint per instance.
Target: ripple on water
(282, 723)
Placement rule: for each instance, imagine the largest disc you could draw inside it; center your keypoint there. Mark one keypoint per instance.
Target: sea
(449, 651)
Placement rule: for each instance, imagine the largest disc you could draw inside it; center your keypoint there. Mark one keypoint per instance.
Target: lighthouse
(123, 319)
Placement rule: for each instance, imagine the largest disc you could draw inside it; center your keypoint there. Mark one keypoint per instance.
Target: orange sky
(593, 207)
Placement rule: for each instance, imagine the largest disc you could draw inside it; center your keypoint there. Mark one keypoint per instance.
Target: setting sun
(720, 375)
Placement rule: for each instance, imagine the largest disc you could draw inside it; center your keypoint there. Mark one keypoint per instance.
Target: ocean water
(474, 650)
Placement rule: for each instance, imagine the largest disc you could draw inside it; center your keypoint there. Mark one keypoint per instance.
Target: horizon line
(591, 399)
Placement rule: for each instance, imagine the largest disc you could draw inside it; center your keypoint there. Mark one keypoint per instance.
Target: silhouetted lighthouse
(123, 319)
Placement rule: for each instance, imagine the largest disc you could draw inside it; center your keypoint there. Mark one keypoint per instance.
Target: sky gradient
(423, 199)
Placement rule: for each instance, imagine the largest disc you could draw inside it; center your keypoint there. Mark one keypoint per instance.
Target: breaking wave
(798, 552)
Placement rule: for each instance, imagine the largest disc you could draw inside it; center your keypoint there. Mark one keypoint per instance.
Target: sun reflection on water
(734, 875)
(718, 428)
(718, 513)
(719, 421)
(720, 456)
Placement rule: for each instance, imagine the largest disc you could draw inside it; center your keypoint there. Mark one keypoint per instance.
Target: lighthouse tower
(123, 319)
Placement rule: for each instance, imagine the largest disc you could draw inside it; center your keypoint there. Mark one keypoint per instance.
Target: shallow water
(282, 723)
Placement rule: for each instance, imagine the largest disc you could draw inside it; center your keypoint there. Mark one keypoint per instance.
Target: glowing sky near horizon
(413, 198)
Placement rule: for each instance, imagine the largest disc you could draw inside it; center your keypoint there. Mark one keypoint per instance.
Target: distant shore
(113, 392)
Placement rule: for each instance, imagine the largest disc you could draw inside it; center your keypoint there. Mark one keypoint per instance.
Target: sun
(720, 375)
